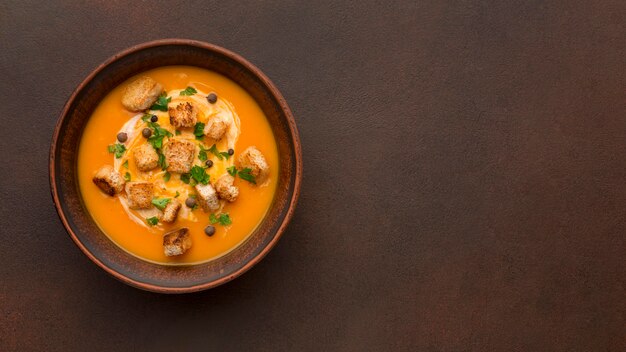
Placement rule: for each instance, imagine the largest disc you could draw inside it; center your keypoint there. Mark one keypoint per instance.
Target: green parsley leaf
(218, 154)
(223, 219)
(156, 141)
(125, 164)
(202, 154)
(162, 162)
(152, 221)
(189, 91)
(199, 174)
(159, 131)
(185, 178)
(167, 176)
(161, 103)
(160, 203)
(146, 118)
(177, 194)
(198, 130)
(118, 149)
(232, 170)
(177, 132)
(246, 175)
(127, 176)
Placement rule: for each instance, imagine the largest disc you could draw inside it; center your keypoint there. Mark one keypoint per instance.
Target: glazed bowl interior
(63, 167)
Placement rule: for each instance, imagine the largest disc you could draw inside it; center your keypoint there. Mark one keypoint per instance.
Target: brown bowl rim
(294, 135)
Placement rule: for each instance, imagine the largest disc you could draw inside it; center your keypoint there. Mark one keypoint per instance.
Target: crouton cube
(225, 189)
(179, 155)
(176, 242)
(183, 115)
(253, 159)
(146, 157)
(141, 93)
(109, 180)
(171, 211)
(207, 197)
(139, 194)
(216, 127)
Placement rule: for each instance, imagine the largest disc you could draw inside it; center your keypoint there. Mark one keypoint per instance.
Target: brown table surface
(463, 187)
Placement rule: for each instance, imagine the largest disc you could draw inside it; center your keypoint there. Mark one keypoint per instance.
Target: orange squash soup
(178, 165)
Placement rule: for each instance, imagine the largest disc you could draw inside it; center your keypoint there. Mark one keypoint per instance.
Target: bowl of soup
(175, 166)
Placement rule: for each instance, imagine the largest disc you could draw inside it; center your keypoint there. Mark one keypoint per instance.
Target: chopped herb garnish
(246, 175)
(232, 170)
(177, 194)
(177, 132)
(161, 103)
(127, 176)
(160, 202)
(152, 221)
(198, 130)
(185, 178)
(156, 140)
(199, 174)
(146, 118)
(166, 176)
(117, 149)
(223, 219)
(202, 154)
(189, 91)
(218, 154)
(162, 162)
(125, 164)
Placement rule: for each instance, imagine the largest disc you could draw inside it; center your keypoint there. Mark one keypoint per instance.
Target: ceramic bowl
(88, 236)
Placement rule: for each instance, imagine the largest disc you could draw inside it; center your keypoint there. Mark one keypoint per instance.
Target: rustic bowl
(68, 200)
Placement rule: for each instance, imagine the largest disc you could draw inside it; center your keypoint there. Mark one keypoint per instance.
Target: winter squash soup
(178, 165)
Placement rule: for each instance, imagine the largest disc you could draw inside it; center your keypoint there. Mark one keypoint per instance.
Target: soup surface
(141, 231)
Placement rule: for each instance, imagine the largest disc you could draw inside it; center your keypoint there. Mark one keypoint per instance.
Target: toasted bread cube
(207, 197)
(179, 155)
(141, 93)
(171, 211)
(139, 194)
(146, 157)
(176, 242)
(109, 180)
(216, 127)
(225, 189)
(183, 115)
(253, 159)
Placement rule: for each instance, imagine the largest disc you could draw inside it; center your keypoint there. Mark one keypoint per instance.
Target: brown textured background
(463, 190)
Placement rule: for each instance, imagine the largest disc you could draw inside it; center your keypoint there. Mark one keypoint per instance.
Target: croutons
(207, 197)
(252, 158)
(216, 127)
(171, 211)
(146, 157)
(179, 155)
(176, 242)
(141, 93)
(139, 194)
(183, 115)
(109, 180)
(225, 189)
